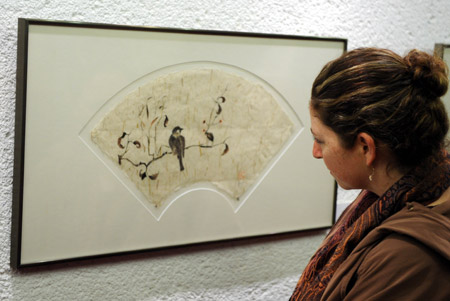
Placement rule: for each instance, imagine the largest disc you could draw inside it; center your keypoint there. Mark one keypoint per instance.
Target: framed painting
(131, 139)
(443, 51)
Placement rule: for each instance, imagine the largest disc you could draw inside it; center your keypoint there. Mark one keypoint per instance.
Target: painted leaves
(214, 119)
(215, 108)
(150, 127)
(143, 175)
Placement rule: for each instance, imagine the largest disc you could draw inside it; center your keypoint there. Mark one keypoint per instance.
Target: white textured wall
(252, 270)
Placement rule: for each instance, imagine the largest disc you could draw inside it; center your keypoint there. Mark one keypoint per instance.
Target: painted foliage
(194, 126)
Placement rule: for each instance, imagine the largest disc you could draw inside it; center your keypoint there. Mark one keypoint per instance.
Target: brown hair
(395, 100)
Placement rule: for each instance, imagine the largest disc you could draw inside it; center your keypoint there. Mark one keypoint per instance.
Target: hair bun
(429, 73)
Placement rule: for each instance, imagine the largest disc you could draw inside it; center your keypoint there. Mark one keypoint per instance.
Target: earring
(373, 173)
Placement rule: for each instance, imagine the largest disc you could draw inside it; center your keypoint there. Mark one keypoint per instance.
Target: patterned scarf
(364, 214)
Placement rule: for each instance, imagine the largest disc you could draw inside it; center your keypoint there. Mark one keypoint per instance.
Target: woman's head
(393, 99)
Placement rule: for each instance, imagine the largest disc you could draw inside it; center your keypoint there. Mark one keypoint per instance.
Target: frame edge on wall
(20, 119)
(19, 143)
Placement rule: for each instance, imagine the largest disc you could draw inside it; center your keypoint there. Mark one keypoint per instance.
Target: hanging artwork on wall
(443, 51)
(194, 126)
(132, 139)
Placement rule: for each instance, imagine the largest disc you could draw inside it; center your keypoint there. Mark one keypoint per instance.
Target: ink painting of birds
(177, 144)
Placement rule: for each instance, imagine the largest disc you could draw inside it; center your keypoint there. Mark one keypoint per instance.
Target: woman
(379, 125)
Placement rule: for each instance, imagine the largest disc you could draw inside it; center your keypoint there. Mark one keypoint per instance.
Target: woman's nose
(317, 151)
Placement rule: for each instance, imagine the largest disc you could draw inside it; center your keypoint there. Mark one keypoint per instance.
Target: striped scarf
(364, 214)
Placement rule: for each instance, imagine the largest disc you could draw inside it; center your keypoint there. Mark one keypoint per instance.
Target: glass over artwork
(444, 51)
(130, 139)
(198, 125)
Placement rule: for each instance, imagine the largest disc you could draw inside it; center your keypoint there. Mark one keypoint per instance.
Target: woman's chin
(345, 186)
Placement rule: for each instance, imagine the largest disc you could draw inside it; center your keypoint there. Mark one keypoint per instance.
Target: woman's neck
(383, 178)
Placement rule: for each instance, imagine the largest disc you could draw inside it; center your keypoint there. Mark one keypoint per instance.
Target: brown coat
(406, 258)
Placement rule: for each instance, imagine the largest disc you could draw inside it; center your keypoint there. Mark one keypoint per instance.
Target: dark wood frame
(21, 115)
(439, 49)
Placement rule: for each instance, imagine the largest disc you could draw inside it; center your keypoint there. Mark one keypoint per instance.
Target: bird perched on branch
(177, 144)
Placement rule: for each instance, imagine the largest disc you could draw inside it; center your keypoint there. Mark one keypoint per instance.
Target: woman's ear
(367, 145)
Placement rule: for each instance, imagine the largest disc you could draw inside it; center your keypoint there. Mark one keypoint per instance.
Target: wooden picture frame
(72, 202)
(443, 51)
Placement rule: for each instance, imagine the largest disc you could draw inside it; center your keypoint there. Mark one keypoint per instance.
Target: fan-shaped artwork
(194, 126)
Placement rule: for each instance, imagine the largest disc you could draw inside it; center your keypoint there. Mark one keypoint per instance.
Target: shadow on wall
(217, 265)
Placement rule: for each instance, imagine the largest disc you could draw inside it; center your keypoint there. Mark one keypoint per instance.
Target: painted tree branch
(152, 127)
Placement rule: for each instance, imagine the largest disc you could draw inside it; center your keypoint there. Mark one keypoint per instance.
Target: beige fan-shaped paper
(230, 129)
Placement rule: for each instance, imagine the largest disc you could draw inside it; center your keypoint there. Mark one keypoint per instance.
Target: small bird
(177, 143)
